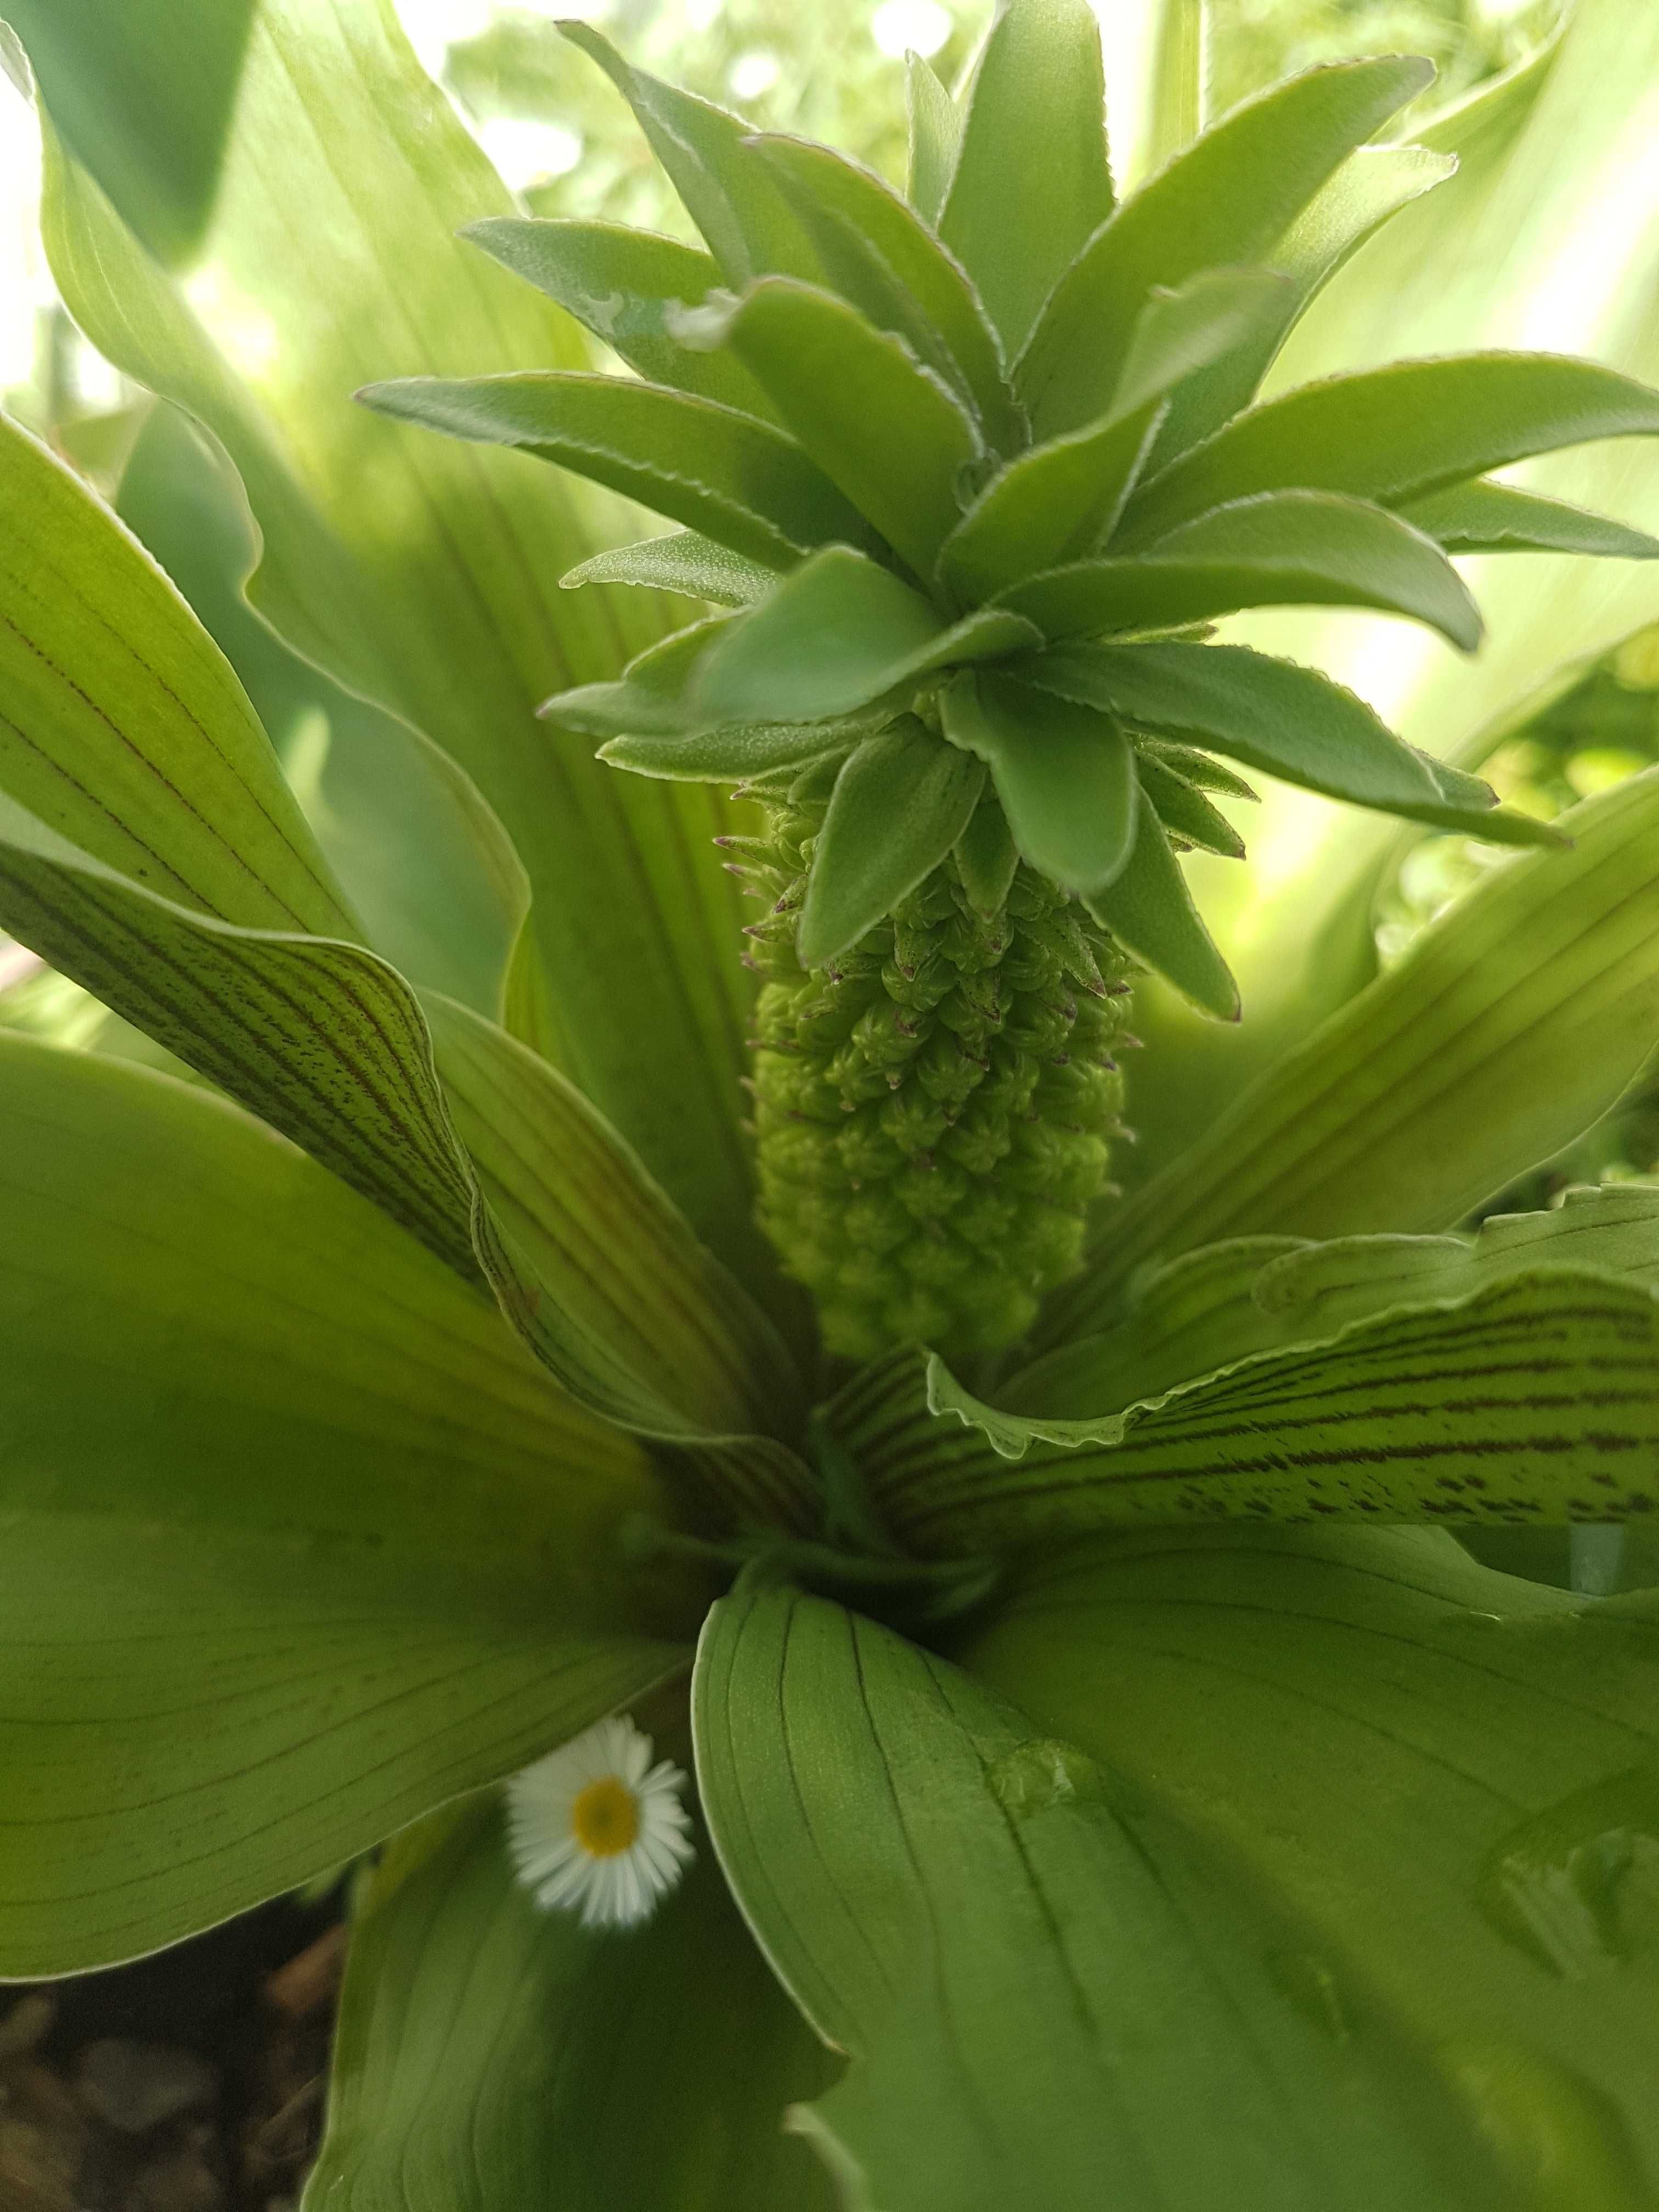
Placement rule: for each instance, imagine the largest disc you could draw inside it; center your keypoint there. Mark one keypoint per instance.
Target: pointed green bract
(987, 858)
(1012, 221)
(623, 285)
(1281, 549)
(1226, 199)
(838, 634)
(1185, 811)
(899, 804)
(935, 124)
(1393, 434)
(1063, 773)
(1148, 908)
(1500, 518)
(717, 469)
(748, 224)
(1274, 716)
(885, 261)
(1374, 183)
(882, 427)
(1054, 503)
(681, 561)
(1061, 500)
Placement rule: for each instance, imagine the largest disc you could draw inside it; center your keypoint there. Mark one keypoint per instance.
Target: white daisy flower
(595, 1828)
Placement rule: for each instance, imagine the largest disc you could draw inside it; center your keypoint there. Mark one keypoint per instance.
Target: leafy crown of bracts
(972, 470)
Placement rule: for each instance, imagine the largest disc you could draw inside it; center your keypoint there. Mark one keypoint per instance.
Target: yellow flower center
(605, 1818)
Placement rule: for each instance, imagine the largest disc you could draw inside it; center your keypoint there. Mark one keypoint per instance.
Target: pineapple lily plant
(1094, 1772)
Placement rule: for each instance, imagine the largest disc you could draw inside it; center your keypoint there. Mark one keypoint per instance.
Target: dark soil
(191, 2082)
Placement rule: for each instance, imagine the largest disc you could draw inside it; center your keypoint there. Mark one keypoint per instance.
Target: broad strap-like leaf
(1289, 721)
(1498, 1037)
(838, 632)
(681, 561)
(964, 1906)
(1394, 434)
(484, 2046)
(1015, 222)
(1064, 774)
(935, 132)
(1536, 1399)
(1225, 200)
(1439, 1767)
(321, 1039)
(900, 803)
(1148, 908)
(1280, 549)
(298, 1539)
(438, 597)
(624, 1305)
(1498, 517)
(123, 726)
(881, 256)
(717, 469)
(884, 428)
(1059, 501)
(622, 285)
(1613, 1229)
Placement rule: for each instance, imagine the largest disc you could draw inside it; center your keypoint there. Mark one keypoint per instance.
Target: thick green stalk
(933, 1108)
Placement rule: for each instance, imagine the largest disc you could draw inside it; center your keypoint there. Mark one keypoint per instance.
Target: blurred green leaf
(487, 2052)
(126, 730)
(960, 1904)
(935, 138)
(422, 856)
(145, 94)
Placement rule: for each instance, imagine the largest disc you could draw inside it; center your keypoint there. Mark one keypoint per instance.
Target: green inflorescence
(933, 1108)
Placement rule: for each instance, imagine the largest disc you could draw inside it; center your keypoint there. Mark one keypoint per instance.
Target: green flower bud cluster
(934, 1107)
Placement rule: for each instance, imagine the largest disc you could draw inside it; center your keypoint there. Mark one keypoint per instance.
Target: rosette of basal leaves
(974, 471)
(1111, 1786)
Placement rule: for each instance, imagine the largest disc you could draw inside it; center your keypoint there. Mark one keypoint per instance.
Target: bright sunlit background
(562, 137)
